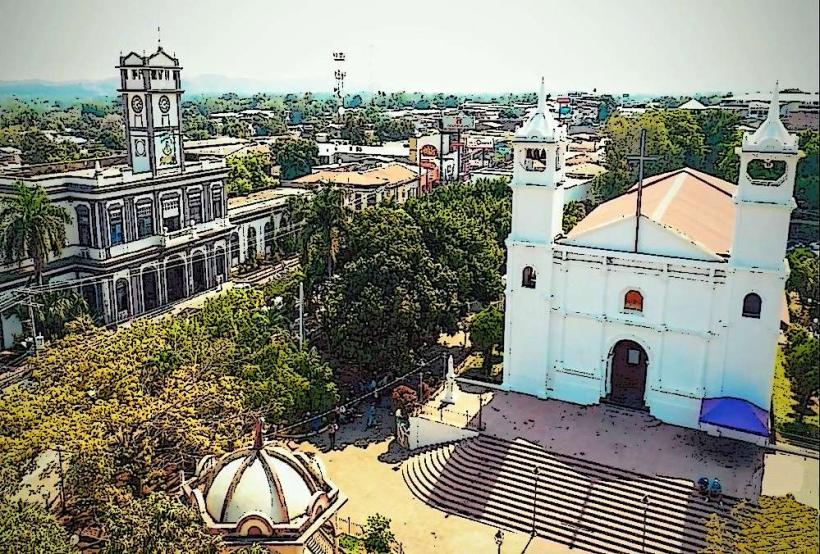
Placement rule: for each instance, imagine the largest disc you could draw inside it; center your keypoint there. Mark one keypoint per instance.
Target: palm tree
(323, 218)
(31, 227)
(55, 309)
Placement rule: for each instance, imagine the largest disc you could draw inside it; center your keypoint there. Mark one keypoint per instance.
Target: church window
(216, 202)
(766, 172)
(528, 278)
(633, 301)
(84, 225)
(751, 305)
(145, 219)
(115, 225)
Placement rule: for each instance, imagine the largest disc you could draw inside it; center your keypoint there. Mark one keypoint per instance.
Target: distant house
(692, 104)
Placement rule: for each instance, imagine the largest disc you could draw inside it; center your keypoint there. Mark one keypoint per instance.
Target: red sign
(429, 150)
(427, 164)
(562, 100)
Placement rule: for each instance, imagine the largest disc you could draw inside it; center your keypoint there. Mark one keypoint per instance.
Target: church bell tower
(764, 195)
(151, 92)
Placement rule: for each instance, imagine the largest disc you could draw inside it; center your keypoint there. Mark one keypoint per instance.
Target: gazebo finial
(258, 440)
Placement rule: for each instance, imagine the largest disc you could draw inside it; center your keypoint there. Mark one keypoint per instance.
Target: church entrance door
(628, 374)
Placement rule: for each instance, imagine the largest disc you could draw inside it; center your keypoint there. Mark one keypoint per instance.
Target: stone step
(563, 509)
(585, 498)
(480, 504)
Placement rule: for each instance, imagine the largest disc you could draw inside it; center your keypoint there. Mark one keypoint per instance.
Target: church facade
(674, 309)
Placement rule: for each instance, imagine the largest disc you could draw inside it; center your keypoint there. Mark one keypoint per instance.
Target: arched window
(122, 296)
(633, 301)
(115, 225)
(84, 225)
(528, 278)
(751, 305)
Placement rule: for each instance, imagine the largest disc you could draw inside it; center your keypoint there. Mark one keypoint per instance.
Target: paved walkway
(366, 466)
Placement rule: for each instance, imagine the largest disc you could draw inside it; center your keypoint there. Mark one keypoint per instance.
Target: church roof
(693, 204)
(540, 126)
(772, 135)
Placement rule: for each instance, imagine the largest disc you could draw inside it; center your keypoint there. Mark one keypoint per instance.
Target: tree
(354, 127)
(486, 332)
(807, 182)
(323, 218)
(249, 173)
(236, 128)
(295, 157)
(31, 227)
(378, 538)
(802, 369)
(55, 309)
(28, 528)
(573, 213)
(389, 297)
(156, 523)
(803, 279)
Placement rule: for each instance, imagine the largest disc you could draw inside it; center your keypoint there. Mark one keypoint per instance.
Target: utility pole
(301, 313)
(30, 303)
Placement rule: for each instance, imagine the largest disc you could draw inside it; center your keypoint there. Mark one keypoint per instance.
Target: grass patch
(783, 404)
(349, 544)
(472, 368)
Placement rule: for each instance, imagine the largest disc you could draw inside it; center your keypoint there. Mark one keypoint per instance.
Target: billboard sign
(429, 151)
(458, 122)
(480, 142)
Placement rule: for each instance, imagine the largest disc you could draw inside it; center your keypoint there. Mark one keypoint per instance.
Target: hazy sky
(442, 45)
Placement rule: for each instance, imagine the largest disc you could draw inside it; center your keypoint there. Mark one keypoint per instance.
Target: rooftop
(386, 174)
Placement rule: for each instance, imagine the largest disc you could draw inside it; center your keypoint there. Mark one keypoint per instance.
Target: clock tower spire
(151, 92)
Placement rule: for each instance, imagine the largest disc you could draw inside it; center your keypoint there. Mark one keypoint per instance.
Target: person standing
(331, 433)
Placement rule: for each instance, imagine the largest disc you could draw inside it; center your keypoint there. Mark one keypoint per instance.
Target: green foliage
(31, 226)
(394, 128)
(56, 308)
(249, 173)
(487, 332)
(323, 219)
(508, 112)
(389, 296)
(156, 523)
(573, 213)
(807, 183)
(802, 369)
(804, 279)
(378, 537)
(28, 528)
(295, 157)
(354, 127)
(233, 127)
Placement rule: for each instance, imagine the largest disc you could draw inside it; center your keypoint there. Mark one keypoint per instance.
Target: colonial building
(147, 229)
(269, 496)
(673, 307)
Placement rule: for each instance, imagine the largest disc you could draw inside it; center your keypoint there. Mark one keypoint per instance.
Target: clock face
(164, 104)
(136, 104)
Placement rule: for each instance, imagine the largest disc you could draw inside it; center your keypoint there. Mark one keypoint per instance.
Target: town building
(675, 308)
(148, 229)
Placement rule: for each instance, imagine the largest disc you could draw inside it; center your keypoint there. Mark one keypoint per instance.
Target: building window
(216, 202)
(633, 301)
(145, 219)
(751, 305)
(528, 278)
(170, 214)
(122, 295)
(84, 225)
(115, 225)
(195, 205)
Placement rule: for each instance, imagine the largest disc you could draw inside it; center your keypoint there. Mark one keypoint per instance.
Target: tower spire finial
(774, 107)
(258, 441)
(542, 100)
(159, 37)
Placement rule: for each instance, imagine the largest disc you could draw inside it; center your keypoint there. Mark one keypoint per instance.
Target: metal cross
(640, 158)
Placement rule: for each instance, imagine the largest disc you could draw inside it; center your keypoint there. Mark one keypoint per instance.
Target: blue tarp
(734, 413)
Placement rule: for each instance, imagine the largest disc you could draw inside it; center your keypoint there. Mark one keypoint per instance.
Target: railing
(446, 414)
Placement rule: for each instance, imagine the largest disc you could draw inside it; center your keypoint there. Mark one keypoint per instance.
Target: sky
(638, 46)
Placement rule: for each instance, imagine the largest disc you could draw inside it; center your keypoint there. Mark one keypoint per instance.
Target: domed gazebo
(267, 495)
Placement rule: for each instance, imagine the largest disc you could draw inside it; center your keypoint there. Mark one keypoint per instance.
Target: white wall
(424, 432)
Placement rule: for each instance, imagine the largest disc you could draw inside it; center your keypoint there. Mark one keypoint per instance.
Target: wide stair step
(579, 503)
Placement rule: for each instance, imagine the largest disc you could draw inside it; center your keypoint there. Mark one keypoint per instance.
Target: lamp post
(499, 540)
(645, 501)
(536, 471)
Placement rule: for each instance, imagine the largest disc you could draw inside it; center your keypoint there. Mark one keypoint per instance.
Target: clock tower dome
(151, 92)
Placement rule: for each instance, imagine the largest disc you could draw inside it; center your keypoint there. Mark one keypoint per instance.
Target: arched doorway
(251, 255)
(219, 258)
(123, 299)
(627, 374)
(268, 239)
(198, 269)
(175, 278)
(150, 295)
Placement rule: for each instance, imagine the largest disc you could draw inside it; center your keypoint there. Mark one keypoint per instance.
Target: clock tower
(151, 92)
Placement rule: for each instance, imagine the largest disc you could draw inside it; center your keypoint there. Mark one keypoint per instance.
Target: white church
(675, 311)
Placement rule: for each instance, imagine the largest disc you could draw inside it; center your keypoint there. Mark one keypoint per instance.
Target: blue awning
(734, 413)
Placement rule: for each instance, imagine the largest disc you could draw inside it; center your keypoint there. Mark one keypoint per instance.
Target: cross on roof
(640, 158)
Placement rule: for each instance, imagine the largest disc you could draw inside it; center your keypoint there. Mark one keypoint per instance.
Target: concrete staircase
(579, 503)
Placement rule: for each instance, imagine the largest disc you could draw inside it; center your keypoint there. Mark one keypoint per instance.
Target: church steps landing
(672, 523)
(677, 493)
(583, 465)
(466, 506)
(467, 501)
(568, 509)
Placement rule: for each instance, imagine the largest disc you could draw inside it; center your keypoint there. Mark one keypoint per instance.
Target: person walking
(331, 433)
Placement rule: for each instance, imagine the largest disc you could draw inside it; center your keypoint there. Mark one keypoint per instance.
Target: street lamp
(499, 540)
(645, 501)
(536, 471)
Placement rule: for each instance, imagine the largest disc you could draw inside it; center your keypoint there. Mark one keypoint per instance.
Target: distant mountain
(200, 84)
